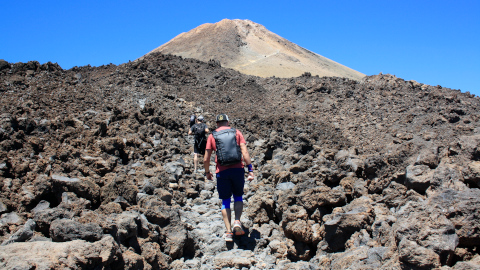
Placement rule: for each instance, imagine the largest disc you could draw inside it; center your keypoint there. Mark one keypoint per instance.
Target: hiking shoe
(228, 236)
(237, 228)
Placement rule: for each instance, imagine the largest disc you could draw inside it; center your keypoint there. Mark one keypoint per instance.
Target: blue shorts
(230, 182)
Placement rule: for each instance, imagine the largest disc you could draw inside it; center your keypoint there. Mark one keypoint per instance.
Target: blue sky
(431, 42)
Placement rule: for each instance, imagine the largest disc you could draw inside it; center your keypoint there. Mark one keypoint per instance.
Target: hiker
(229, 145)
(199, 130)
(193, 117)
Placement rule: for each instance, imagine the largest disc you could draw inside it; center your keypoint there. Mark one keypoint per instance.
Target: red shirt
(212, 146)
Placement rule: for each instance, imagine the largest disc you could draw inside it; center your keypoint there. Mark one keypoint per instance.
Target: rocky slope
(96, 170)
(250, 48)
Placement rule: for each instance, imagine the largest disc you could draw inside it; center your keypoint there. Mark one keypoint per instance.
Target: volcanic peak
(250, 48)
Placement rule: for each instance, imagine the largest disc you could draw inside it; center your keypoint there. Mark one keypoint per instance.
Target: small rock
(23, 234)
(235, 259)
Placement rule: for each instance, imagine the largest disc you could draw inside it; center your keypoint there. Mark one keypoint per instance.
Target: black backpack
(228, 151)
(199, 133)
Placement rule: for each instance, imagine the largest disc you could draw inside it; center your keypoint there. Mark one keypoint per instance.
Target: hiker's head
(222, 120)
(200, 118)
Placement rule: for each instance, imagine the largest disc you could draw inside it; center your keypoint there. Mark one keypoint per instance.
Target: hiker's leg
(238, 207)
(238, 181)
(227, 215)
(225, 192)
(195, 162)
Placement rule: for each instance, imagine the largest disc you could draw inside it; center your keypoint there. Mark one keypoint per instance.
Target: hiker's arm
(206, 163)
(246, 158)
(190, 132)
(207, 130)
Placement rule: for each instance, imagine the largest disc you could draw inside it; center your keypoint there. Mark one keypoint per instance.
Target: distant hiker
(229, 145)
(192, 119)
(199, 130)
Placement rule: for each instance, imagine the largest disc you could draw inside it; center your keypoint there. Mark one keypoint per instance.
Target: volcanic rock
(375, 173)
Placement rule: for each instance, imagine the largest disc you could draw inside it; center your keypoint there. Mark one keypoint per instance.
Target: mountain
(251, 49)
(96, 170)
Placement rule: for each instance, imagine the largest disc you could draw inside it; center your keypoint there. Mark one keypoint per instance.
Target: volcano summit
(251, 49)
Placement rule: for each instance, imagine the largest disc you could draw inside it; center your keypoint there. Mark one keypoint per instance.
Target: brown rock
(51, 255)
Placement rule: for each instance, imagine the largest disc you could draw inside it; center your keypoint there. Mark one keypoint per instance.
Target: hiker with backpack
(199, 130)
(192, 121)
(231, 151)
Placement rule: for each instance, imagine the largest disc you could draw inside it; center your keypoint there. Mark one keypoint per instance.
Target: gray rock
(127, 226)
(174, 168)
(168, 218)
(46, 216)
(234, 259)
(23, 234)
(60, 178)
(461, 208)
(3, 208)
(285, 186)
(42, 205)
(62, 230)
(10, 219)
(147, 188)
(418, 177)
(446, 176)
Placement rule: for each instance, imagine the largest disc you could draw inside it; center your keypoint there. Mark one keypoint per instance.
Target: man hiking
(229, 145)
(199, 130)
(193, 117)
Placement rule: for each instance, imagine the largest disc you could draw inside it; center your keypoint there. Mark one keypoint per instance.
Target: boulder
(278, 249)
(418, 177)
(3, 208)
(168, 218)
(428, 156)
(153, 255)
(23, 234)
(461, 209)
(322, 196)
(424, 229)
(132, 260)
(261, 208)
(46, 216)
(297, 226)
(472, 264)
(415, 256)
(62, 230)
(120, 186)
(8, 219)
(341, 224)
(84, 187)
(357, 258)
(77, 254)
(471, 174)
(235, 258)
(174, 168)
(126, 226)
